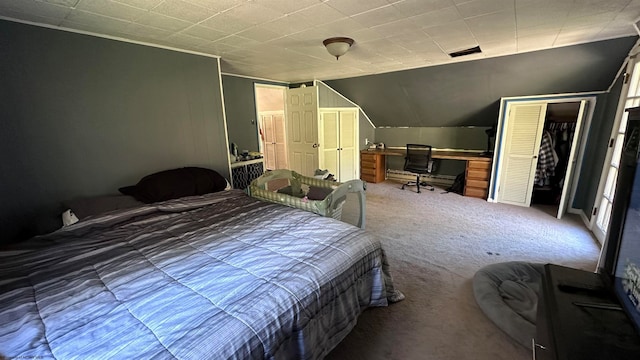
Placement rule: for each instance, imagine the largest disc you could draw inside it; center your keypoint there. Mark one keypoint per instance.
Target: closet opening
(553, 157)
(272, 139)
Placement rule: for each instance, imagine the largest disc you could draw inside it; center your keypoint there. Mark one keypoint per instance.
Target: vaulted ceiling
(282, 39)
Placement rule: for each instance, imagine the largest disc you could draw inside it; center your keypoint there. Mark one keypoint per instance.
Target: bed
(219, 275)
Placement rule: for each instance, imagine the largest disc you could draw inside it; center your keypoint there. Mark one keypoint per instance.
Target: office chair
(418, 161)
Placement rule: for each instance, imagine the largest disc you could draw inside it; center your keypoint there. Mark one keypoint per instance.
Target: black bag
(458, 185)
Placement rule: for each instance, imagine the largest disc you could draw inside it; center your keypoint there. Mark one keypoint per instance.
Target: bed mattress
(221, 276)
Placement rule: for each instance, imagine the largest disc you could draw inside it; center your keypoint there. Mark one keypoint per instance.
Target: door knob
(316, 145)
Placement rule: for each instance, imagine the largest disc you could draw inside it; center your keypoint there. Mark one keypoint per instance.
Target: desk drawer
(481, 184)
(368, 164)
(368, 171)
(475, 192)
(479, 165)
(368, 157)
(475, 174)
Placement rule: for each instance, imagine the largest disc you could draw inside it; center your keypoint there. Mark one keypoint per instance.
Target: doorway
(524, 123)
(554, 156)
(272, 139)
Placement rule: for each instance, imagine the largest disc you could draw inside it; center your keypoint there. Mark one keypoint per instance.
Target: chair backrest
(418, 158)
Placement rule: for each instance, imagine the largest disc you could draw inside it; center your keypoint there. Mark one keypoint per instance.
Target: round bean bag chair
(508, 294)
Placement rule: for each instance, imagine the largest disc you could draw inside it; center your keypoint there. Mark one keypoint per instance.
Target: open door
(566, 188)
(302, 129)
(522, 142)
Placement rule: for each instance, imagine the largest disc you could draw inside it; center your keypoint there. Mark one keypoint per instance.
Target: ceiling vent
(473, 50)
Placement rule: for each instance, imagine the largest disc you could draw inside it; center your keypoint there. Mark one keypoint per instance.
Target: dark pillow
(176, 183)
(89, 206)
(318, 193)
(289, 190)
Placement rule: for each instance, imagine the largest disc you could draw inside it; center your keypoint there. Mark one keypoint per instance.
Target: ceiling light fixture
(338, 46)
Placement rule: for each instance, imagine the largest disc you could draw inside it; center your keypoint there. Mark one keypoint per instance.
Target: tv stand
(579, 318)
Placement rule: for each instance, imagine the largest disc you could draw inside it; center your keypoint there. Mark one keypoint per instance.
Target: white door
(630, 97)
(348, 145)
(523, 133)
(272, 126)
(571, 162)
(329, 137)
(302, 129)
(338, 143)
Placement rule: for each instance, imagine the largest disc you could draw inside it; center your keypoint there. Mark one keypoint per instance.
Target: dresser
(372, 166)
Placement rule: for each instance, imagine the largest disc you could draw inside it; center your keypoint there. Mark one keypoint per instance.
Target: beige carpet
(435, 243)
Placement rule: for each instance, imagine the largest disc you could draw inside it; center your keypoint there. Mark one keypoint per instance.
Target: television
(622, 248)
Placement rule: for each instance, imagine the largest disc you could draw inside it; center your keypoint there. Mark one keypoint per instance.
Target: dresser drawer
(368, 157)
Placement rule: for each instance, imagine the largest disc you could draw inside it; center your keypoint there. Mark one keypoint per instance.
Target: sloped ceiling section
(468, 93)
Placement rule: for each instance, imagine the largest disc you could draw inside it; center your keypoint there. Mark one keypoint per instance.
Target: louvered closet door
(522, 142)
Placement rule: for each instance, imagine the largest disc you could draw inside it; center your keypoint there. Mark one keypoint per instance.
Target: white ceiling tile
(593, 7)
(226, 24)
(537, 42)
(576, 35)
(320, 14)
(541, 30)
(183, 10)
(162, 22)
(493, 27)
(584, 21)
(355, 7)
(288, 6)
(204, 33)
(484, 7)
(111, 9)
(282, 39)
(30, 17)
(259, 33)
(438, 17)
(534, 14)
(140, 4)
(217, 5)
(286, 25)
(398, 27)
(191, 41)
(68, 3)
(95, 20)
(453, 29)
(417, 7)
(378, 16)
(35, 9)
(145, 33)
(254, 13)
(498, 48)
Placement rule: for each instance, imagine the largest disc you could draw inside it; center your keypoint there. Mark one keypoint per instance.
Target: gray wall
(468, 93)
(83, 116)
(240, 109)
(466, 138)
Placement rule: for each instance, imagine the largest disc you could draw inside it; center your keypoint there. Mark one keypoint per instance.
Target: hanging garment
(547, 160)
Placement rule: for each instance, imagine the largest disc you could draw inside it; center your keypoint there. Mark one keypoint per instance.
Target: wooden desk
(477, 172)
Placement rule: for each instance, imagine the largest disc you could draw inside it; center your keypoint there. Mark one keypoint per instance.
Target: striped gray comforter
(219, 276)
